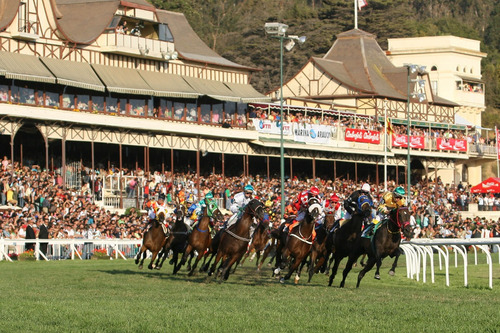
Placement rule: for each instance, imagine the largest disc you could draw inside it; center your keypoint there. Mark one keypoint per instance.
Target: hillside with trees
(235, 30)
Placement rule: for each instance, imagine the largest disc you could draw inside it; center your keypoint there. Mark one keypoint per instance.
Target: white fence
(418, 251)
(58, 249)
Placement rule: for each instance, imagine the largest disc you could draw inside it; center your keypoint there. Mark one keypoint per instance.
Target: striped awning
(248, 93)
(24, 67)
(74, 74)
(214, 89)
(169, 85)
(123, 80)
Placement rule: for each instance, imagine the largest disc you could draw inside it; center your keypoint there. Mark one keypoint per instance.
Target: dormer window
(164, 33)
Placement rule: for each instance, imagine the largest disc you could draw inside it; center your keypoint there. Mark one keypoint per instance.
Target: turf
(114, 296)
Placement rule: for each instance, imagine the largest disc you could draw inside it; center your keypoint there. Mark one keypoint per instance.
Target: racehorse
(200, 237)
(385, 242)
(153, 240)
(234, 240)
(319, 251)
(259, 241)
(298, 244)
(177, 239)
(346, 238)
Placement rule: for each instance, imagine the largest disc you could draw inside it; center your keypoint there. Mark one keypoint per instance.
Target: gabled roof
(189, 45)
(83, 21)
(369, 69)
(8, 10)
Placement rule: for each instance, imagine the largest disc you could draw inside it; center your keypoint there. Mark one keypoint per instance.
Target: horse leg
(246, 255)
(189, 248)
(153, 258)
(214, 265)
(267, 250)
(369, 265)
(227, 267)
(294, 266)
(258, 258)
(207, 265)
(347, 269)
(235, 266)
(334, 270)
(392, 271)
(377, 272)
(198, 258)
(143, 252)
(314, 254)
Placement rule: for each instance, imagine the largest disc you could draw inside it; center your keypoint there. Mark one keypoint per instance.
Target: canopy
(490, 185)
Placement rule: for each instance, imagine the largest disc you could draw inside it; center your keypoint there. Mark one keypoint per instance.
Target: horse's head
(315, 209)
(401, 217)
(161, 215)
(256, 209)
(217, 215)
(180, 212)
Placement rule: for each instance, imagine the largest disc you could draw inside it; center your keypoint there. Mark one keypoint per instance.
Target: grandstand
(124, 84)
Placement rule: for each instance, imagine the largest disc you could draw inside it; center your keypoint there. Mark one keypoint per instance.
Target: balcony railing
(134, 45)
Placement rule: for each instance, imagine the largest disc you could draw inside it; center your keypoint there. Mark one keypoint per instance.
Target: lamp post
(410, 69)
(278, 30)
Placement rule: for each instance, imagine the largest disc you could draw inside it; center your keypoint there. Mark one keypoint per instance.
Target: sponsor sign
(271, 127)
(400, 141)
(364, 136)
(451, 144)
(498, 142)
(312, 134)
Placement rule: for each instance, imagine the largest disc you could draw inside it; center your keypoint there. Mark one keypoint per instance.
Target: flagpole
(355, 14)
(385, 146)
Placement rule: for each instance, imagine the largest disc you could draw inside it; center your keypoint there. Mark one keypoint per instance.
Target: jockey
(240, 201)
(192, 212)
(351, 204)
(391, 200)
(156, 206)
(208, 202)
(332, 206)
(302, 202)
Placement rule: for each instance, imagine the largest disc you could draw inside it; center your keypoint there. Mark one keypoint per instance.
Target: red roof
(490, 185)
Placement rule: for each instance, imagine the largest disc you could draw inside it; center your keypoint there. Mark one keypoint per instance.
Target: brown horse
(385, 242)
(153, 240)
(177, 240)
(320, 252)
(259, 241)
(234, 240)
(298, 243)
(200, 238)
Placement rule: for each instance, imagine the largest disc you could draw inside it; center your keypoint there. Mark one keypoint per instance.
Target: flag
(362, 3)
(388, 128)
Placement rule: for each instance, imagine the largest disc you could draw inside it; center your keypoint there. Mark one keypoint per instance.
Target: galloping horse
(259, 241)
(153, 240)
(177, 239)
(234, 240)
(385, 242)
(200, 237)
(319, 251)
(346, 238)
(299, 242)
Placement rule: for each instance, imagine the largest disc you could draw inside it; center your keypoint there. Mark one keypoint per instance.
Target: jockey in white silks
(240, 201)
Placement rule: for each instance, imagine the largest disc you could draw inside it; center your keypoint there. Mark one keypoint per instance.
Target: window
(241, 114)
(98, 103)
(114, 23)
(205, 113)
(137, 107)
(434, 68)
(4, 93)
(82, 102)
(217, 113)
(179, 111)
(112, 104)
(434, 85)
(166, 108)
(164, 33)
(68, 101)
(192, 112)
(52, 98)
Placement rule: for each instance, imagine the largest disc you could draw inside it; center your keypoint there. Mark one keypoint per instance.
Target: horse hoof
(296, 281)
(282, 280)
(140, 266)
(157, 268)
(377, 277)
(391, 273)
(277, 271)
(269, 265)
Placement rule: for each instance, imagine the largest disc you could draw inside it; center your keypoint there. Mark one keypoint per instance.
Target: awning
(123, 80)
(168, 85)
(24, 67)
(247, 93)
(490, 185)
(74, 74)
(459, 120)
(214, 89)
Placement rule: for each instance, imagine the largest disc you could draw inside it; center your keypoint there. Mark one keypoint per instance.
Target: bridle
(397, 222)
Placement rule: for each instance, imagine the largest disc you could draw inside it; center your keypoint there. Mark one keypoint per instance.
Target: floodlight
(289, 45)
(275, 28)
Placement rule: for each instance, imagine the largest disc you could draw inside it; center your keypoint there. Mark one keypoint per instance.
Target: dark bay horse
(385, 242)
(200, 237)
(177, 240)
(259, 241)
(234, 240)
(343, 241)
(298, 243)
(319, 251)
(153, 240)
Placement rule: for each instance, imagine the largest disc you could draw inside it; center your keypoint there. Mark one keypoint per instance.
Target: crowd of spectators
(34, 197)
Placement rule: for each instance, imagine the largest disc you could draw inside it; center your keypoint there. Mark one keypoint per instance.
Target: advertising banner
(400, 141)
(365, 136)
(271, 127)
(451, 144)
(311, 134)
